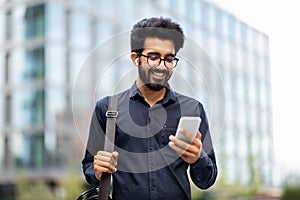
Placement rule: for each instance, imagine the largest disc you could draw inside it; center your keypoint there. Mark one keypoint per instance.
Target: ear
(134, 58)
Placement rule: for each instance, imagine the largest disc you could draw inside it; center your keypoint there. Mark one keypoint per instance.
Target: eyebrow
(156, 53)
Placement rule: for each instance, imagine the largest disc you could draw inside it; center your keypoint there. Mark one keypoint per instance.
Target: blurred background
(44, 46)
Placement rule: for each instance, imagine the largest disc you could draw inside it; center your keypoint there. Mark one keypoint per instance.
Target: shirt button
(151, 148)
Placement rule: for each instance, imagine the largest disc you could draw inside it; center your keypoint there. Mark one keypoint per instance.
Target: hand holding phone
(191, 124)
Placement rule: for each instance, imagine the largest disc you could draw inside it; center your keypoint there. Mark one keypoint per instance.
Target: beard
(155, 84)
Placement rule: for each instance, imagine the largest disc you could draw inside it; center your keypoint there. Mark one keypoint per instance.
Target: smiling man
(151, 162)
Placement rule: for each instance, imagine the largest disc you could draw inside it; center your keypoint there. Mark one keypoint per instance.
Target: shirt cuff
(203, 161)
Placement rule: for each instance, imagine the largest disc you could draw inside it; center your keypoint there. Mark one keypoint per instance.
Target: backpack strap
(111, 118)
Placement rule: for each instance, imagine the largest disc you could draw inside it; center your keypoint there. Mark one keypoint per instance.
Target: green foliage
(72, 186)
(291, 193)
(28, 190)
(68, 189)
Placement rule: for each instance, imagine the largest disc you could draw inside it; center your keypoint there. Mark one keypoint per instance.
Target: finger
(102, 158)
(187, 134)
(104, 153)
(197, 140)
(101, 169)
(176, 148)
(115, 155)
(198, 135)
(107, 161)
(180, 143)
(108, 166)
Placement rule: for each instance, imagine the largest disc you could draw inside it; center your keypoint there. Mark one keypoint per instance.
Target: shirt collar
(170, 94)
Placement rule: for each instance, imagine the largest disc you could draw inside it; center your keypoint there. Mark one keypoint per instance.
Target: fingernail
(171, 137)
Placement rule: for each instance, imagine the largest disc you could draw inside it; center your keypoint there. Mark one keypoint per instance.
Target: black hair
(159, 27)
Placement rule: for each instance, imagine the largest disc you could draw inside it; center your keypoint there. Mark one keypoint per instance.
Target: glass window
(243, 34)
(204, 10)
(34, 107)
(105, 31)
(265, 45)
(56, 23)
(8, 25)
(190, 10)
(35, 21)
(2, 152)
(77, 63)
(31, 154)
(105, 9)
(3, 29)
(2, 70)
(80, 30)
(127, 10)
(219, 24)
(16, 62)
(28, 108)
(212, 18)
(35, 64)
(81, 3)
(2, 111)
(55, 61)
(231, 28)
(261, 44)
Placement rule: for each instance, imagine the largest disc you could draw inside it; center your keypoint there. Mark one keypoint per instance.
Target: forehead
(159, 45)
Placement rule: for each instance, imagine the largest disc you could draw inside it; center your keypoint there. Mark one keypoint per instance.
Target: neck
(151, 96)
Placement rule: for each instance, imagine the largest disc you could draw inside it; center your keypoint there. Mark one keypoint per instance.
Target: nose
(162, 65)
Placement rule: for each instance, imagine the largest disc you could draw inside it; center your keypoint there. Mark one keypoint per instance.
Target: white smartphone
(191, 124)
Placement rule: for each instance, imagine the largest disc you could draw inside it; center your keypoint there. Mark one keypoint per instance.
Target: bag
(102, 191)
(90, 194)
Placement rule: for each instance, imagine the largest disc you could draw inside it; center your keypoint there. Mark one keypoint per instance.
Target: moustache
(159, 71)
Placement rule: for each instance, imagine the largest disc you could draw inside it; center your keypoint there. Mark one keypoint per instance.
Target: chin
(155, 87)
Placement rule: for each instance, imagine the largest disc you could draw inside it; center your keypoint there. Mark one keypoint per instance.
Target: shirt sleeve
(95, 141)
(88, 169)
(204, 171)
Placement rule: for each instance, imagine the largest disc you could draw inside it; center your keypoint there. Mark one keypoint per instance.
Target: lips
(158, 74)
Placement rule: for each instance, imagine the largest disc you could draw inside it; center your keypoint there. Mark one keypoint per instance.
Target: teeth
(158, 74)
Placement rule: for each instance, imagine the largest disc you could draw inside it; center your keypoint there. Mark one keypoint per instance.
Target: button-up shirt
(147, 167)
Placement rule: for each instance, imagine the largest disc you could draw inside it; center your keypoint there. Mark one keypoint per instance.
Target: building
(44, 45)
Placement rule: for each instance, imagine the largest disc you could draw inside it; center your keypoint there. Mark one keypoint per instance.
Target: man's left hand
(189, 152)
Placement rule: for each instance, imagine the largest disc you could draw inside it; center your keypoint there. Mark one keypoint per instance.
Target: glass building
(44, 45)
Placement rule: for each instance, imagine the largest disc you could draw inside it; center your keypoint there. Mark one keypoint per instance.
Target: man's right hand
(105, 162)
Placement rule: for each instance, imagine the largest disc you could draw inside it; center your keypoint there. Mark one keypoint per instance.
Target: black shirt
(147, 167)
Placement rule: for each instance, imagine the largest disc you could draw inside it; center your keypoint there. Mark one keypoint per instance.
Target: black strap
(111, 117)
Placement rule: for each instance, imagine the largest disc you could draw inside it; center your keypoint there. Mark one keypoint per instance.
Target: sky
(280, 21)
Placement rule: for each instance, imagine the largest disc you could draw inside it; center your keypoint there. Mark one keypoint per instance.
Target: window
(33, 153)
(204, 10)
(56, 23)
(34, 107)
(231, 28)
(219, 21)
(3, 28)
(35, 21)
(35, 64)
(80, 30)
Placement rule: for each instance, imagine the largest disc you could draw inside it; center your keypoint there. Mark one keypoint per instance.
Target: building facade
(44, 46)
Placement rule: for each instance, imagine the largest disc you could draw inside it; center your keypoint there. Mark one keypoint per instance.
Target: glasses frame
(160, 59)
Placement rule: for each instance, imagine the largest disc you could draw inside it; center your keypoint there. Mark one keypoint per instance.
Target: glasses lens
(153, 60)
(170, 62)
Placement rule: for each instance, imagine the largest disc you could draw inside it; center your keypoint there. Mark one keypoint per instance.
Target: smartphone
(191, 124)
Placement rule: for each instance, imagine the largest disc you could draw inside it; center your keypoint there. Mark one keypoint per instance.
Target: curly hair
(159, 27)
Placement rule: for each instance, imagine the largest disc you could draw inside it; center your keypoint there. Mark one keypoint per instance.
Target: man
(151, 162)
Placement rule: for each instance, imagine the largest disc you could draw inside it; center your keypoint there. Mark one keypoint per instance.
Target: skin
(189, 152)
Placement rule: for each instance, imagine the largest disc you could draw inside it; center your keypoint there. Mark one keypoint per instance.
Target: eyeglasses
(154, 60)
